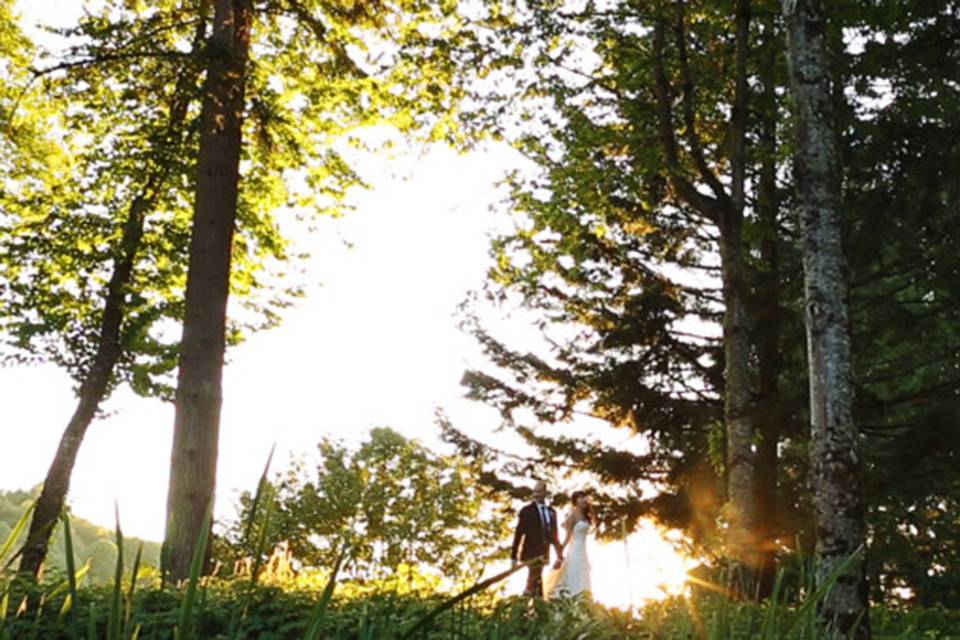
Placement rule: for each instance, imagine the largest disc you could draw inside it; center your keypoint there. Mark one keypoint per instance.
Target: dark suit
(533, 538)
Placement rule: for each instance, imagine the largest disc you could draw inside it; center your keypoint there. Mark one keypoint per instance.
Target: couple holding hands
(538, 529)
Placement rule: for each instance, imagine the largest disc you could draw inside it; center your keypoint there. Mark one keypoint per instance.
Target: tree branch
(689, 113)
(108, 57)
(320, 30)
(738, 134)
(705, 205)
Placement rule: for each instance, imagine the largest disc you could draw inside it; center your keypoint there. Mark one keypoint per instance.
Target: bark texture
(724, 207)
(198, 398)
(56, 484)
(738, 401)
(769, 363)
(739, 415)
(96, 383)
(834, 456)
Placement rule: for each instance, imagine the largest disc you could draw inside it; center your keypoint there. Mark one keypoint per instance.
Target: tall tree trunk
(769, 415)
(738, 403)
(834, 439)
(193, 464)
(725, 209)
(739, 414)
(91, 394)
(768, 322)
(93, 389)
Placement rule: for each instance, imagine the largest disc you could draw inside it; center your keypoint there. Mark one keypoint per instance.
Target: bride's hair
(587, 510)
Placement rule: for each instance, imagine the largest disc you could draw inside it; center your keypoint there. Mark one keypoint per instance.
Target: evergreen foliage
(622, 278)
(656, 247)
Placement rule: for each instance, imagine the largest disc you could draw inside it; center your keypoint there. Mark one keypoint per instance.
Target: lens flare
(647, 566)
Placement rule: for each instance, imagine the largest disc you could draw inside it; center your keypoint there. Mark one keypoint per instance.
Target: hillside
(90, 541)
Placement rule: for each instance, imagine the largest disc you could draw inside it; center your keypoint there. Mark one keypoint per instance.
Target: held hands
(558, 563)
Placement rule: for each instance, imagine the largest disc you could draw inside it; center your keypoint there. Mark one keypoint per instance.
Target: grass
(275, 613)
(246, 607)
(209, 608)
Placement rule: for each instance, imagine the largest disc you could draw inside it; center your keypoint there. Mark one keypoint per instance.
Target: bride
(572, 577)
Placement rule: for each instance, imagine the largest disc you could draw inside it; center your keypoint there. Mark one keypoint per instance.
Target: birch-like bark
(834, 439)
(193, 464)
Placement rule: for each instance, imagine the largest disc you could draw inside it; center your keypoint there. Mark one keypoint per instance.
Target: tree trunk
(92, 391)
(768, 423)
(768, 419)
(768, 323)
(834, 440)
(196, 426)
(724, 209)
(738, 402)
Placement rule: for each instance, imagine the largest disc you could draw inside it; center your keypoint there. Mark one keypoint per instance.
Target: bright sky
(374, 343)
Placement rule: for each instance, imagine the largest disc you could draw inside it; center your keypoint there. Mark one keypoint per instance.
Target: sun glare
(645, 568)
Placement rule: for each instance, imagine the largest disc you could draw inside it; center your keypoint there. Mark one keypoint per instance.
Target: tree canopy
(389, 501)
(623, 275)
(657, 244)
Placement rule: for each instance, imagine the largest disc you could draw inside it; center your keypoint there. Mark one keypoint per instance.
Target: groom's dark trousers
(536, 531)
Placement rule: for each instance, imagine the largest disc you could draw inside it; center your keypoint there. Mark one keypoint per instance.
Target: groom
(536, 530)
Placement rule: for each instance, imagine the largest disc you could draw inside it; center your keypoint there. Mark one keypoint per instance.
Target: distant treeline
(91, 542)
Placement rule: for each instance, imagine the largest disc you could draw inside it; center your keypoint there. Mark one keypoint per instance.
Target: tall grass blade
(128, 605)
(64, 586)
(257, 496)
(768, 629)
(39, 610)
(15, 534)
(263, 487)
(185, 622)
(92, 623)
(258, 556)
(315, 624)
(463, 595)
(135, 572)
(164, 564)
(114, 622)
(66, 607)
(366, 625)
(806, 612)
(262, 538)
(71, 559)
(4, 607)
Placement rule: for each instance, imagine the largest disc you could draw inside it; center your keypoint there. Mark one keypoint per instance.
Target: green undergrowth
(266, 599)
(232, 609)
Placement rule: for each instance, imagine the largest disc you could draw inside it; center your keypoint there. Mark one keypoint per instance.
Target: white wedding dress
(573, 576)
